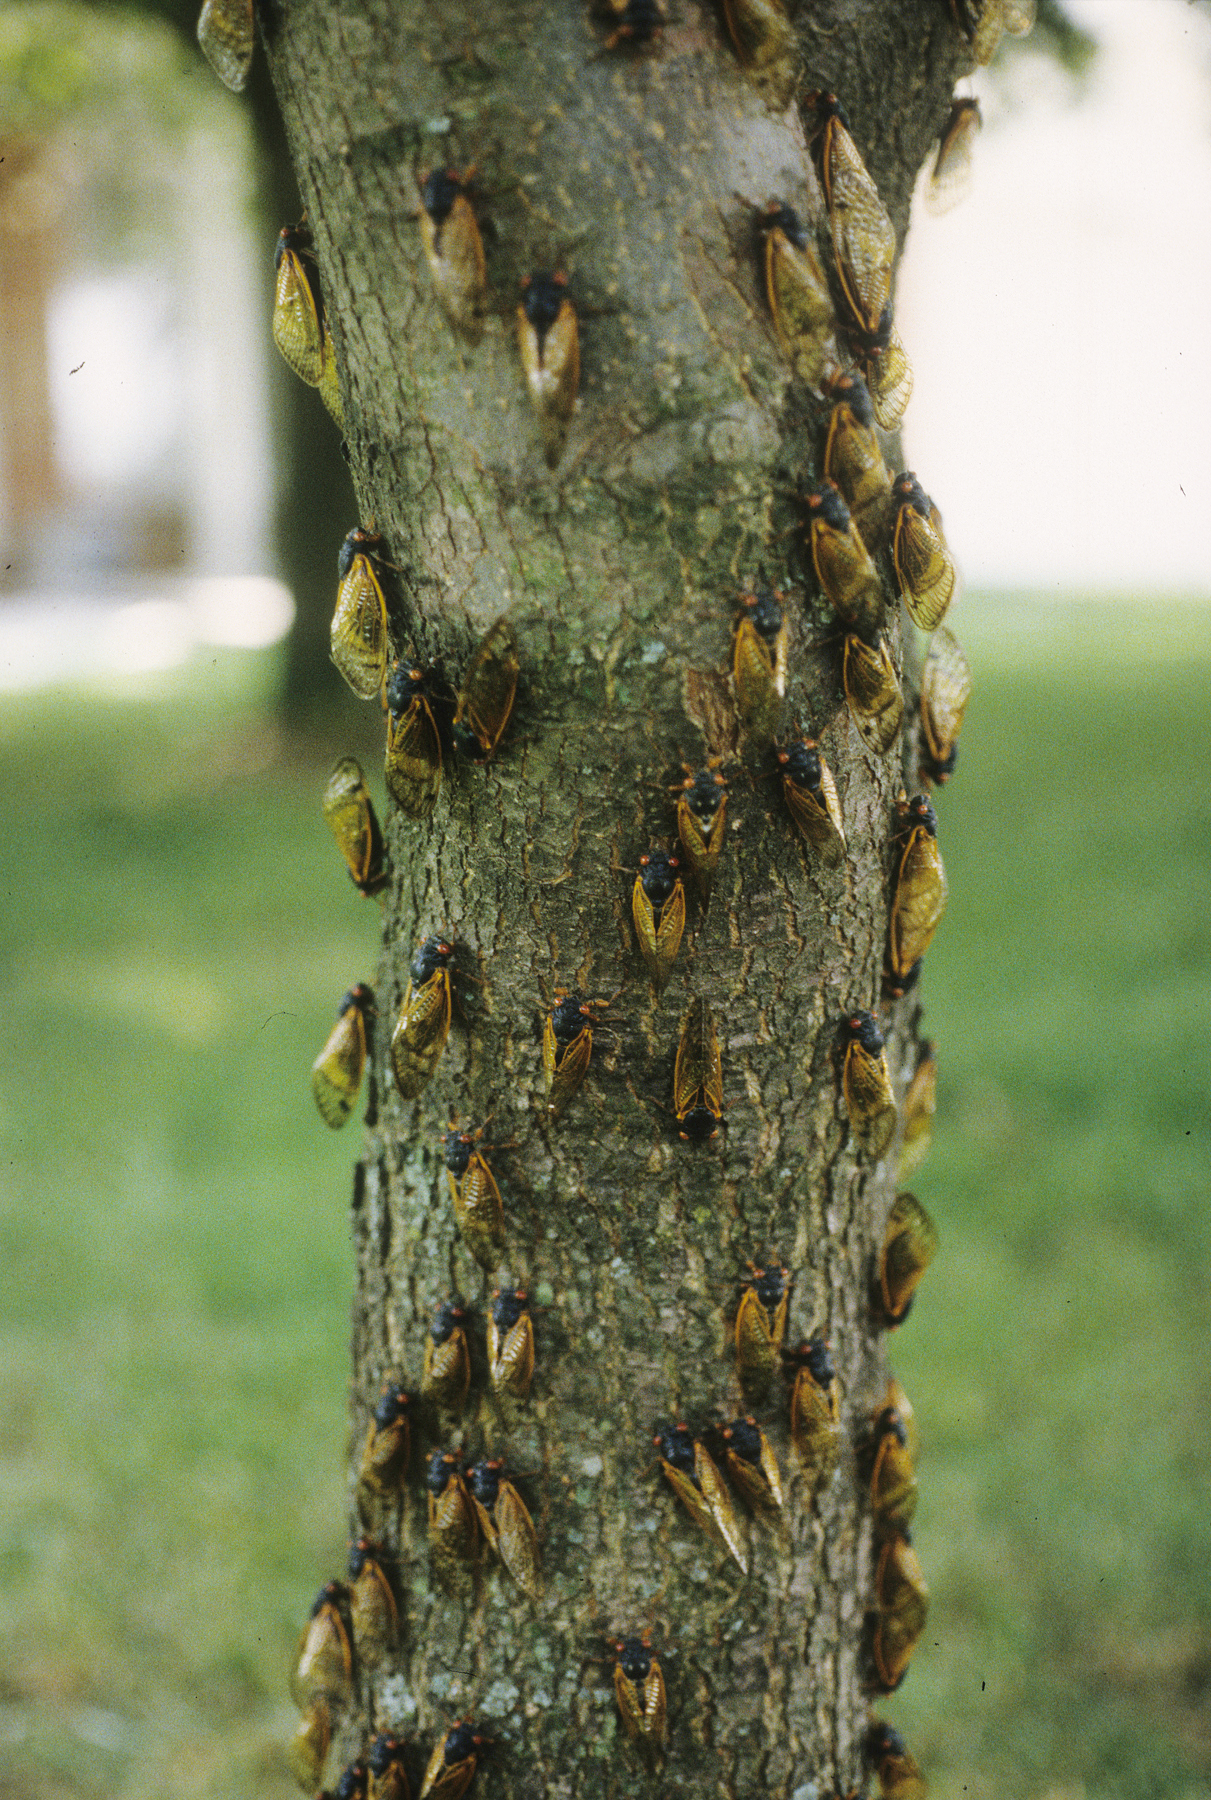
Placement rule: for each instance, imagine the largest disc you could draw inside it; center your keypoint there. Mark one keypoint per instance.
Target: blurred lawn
(175, 1277)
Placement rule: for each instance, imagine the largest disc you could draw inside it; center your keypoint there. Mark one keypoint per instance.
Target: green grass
(175, 1275)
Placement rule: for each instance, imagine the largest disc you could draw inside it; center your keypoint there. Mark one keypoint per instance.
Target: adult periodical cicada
(454, 249)
(567, 1045)
(505, 1523)
(765, 43)
(698, 1076)
(360, 638)
(447, 1368)
(950, 177)
(796, 289)
(920, 1104)
(750, 1461)
(388, 1445)
(761, 1327)
(918, 895)
(639, 1691)
(307, 1751)
(323, 1667)
(847, 576)
(910, 1244)
(373, 1614)
(701, 815)
(412, 766)
(815, 1408)
(385, 1760)
(885, 367)
(901, 1609)
(424, 1018)
(227, 36)
(898, 1775)
(453, 1521)
(451, 1768)
(864, 238)
(811, 798)
(485, 699)
(548, 337)
(759, 662)
(866, 1083)
(635, 22)
(697, 1483)
(336, 1073)
(476, 1197)
(924, 566)
(353, 822)
(984, 23)
(945, 691)
(893, 1479)
(354, 1783)
(658, 911)
(511, 1343)
(853, 457)
(872, 691)
(300, 325)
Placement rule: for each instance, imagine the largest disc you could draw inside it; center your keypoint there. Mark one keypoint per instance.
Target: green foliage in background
(175, 1270)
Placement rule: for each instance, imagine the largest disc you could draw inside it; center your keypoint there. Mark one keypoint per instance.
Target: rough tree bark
(619, 572)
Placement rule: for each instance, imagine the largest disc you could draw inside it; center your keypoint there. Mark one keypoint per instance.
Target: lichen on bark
(635, 171)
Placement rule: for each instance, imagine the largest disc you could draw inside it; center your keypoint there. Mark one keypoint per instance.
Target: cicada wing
(360, 640)
(227, 36)
(420, 1034)
(413, 764)
(336, 1074)
(518, 1541)
(719, 1504)
(297, 330)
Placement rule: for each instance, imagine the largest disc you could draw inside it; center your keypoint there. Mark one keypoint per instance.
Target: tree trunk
(634, 170)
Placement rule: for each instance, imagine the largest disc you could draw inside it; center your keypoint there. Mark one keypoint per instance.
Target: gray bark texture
(634, 171)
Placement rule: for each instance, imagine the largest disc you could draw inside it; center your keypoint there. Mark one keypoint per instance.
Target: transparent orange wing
(873, 692)
(227, 35)
(336, 1074)
(869, 1099)
(420, 1034)
(296, 320)
(889, 378)
(864, 238)
(360, 638)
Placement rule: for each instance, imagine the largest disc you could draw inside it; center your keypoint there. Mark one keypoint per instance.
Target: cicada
(872, 690)
(897, 1400)
(698, 1076)
(424, 1018)
(475, 1194)
(451, 1768)
(920, 1104)
(853, 457)
(412, 768)
(815, 1408)
(752, 1465)
(885, 367)
(843, 566)
(353, 822)
(638, 22)
(701, 815)
(511, 1343)
(893, 1479)
(910, 1244)
(227, 35)
(453, 1522)
(866, 1084)
(386, 1764)
(701, 1489)
(950, 177)
(361, 631)
(307, 1751)
(354, 1782)
(324, 1661)
(864, 238)
(902, 1603)
(984, 23)
(658, 910)
(300, 325)
(924, 566)
(485, 698)
(761, 1327)
(759, 662)
(447, 1368)
(549, 340)
(797, 290)
(567, 1045)
(899, 1776)
(372, 1609)
(765, 43)
(639, 1691)
(454, 249)
(388, 1444)
(336, 1073)
(919, 893)
(945, 691)
(504, 1520)
(811, 798)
